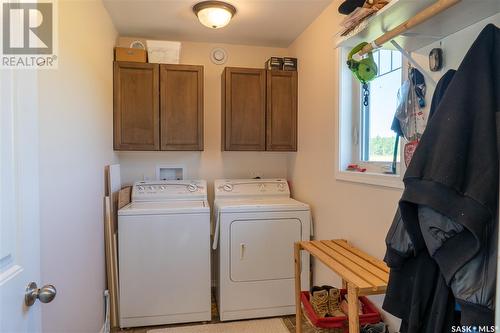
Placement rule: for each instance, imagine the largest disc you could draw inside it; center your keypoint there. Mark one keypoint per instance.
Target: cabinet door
(244, 109)
(281, 111)
(181, 105)
(136, 111)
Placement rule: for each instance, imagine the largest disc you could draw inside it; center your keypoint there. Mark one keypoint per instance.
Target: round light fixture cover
(214, 14)
(218, 56)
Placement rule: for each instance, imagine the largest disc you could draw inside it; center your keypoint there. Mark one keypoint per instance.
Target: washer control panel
(169, 190)
(251, 187)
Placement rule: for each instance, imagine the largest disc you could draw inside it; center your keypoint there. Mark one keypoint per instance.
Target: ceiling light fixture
(214, 14)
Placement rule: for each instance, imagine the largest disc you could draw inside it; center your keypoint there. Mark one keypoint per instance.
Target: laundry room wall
(212, 163)
(356, 212)
(359, 213)
(76, 112)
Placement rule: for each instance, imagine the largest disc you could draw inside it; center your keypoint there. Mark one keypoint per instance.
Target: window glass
(378, 139)
(385, 61)
(396, 59)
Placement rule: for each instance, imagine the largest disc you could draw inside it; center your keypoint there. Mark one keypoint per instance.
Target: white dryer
(164, 254)
(257, 224)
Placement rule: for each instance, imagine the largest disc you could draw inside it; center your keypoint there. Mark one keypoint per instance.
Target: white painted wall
(75, 144)
(212, 163)
(360, 213)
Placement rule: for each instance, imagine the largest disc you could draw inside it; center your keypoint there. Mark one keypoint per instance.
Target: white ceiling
(257, 22)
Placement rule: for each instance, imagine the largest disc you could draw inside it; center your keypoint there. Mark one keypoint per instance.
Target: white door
(19, 222)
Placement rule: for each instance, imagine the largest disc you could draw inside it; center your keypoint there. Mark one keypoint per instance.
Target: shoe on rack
(319, 302)
(334, 300)
(374, 328)
(344, 306)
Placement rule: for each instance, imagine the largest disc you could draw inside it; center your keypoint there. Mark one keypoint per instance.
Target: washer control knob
(281, 187)
(162, 188)
(140, 188)
(192, 187)
(227, 187)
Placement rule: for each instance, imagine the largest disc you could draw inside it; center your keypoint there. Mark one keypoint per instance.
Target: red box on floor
(370, 314)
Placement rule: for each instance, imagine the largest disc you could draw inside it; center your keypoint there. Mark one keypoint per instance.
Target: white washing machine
(164, 254)
(257, 224)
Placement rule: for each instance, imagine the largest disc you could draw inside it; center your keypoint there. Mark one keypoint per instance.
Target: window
(377, 138)
(364, 127)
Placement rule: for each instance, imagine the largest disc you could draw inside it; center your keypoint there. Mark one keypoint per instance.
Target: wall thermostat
(436, 59)
(218, 56)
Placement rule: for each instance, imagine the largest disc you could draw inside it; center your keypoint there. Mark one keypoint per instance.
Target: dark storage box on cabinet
(274, 63)
(289, 64)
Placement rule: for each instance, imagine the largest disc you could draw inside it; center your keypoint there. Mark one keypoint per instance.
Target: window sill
(371, 178)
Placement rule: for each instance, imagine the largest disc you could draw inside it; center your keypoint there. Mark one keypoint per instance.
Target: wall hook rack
(413, 62)
(429, 12)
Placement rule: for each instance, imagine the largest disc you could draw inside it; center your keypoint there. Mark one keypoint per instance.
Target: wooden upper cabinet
(158, 107)
(136, 113)
(181, 107)
(244, 109)
(259, 110)
(281, 111)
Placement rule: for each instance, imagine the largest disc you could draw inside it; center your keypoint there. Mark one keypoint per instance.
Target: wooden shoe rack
(361, 274)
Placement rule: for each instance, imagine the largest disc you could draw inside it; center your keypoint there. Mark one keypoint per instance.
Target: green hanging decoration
(365, 69)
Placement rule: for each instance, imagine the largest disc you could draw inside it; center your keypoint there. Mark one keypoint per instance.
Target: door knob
(46, 294)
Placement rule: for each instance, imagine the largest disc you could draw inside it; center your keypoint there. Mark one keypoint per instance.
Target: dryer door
(262, 249)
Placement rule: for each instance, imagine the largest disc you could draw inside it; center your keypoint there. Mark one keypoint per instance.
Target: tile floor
(288, 320)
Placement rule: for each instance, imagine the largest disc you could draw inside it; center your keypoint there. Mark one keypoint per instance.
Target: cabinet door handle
(242, 250)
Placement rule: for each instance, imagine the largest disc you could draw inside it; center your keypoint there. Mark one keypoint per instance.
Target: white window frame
(348, 125)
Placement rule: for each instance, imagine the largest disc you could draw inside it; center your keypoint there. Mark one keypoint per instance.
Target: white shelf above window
(456, 18)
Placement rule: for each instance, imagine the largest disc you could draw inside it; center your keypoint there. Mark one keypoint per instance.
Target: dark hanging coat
(449, 205)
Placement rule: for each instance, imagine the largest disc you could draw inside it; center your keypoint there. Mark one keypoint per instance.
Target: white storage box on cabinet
(163, 52)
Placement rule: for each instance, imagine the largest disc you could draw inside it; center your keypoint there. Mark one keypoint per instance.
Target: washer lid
(165, 207)
(260, 205)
